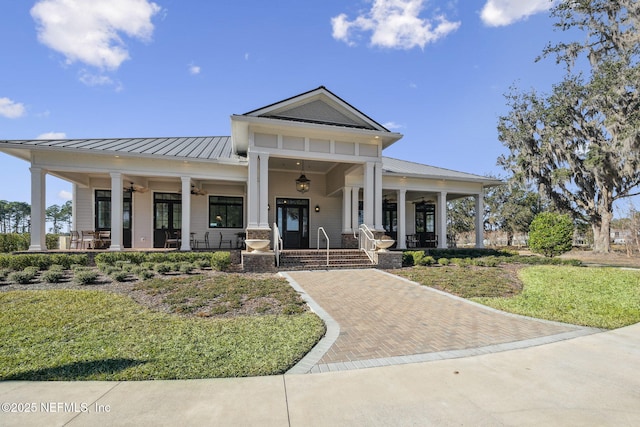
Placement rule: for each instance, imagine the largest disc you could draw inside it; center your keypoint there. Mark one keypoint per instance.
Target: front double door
(293, 221)
(167, 217)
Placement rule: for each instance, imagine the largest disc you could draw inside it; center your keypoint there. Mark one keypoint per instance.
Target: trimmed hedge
(138, 258)
(42, 261)
(15, 242)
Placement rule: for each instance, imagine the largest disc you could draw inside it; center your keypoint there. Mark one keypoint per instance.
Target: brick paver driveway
(385, 318)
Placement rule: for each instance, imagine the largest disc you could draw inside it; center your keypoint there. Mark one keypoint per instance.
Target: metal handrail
(277, 243)
(367, 243)
(327, 239)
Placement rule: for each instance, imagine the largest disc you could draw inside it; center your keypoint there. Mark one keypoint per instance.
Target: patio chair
(412, 241)
(74, 241)
(169, 240)
(205, 241)
(224, 241)
(103, 239)
(88, 240)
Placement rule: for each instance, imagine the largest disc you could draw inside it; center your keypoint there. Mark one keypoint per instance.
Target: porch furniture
(102, 239)
(431, 241)
(88, 239)
(240, 239)
(412, 241)
(170, 240)
(205, 242)
(74, 241)
(224, 241)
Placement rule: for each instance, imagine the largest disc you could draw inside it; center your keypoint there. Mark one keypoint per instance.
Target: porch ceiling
(295, 165)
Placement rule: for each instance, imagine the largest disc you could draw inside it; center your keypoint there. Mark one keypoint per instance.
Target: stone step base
(317, 260)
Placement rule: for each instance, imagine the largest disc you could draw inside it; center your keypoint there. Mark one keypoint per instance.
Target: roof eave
(386, 137)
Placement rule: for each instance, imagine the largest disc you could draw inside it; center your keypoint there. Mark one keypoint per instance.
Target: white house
(143, 189)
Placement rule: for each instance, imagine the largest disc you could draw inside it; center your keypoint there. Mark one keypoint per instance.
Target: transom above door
(292, 217)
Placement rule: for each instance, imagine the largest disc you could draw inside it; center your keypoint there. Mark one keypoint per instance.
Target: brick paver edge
(311, 359)
(494, 310)
(309, 363)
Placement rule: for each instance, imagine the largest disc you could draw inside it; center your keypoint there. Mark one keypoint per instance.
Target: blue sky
(433, 70)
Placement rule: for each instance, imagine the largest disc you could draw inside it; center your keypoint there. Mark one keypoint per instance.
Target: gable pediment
(319, 111)
(318, 106)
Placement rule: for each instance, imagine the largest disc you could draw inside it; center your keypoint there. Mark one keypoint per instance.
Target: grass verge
(94, 335)
(598, 297)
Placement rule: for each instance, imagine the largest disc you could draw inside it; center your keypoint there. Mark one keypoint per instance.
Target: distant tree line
(15, 217)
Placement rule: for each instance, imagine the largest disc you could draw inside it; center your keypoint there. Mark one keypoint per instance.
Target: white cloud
(392, 125)
(90, 31)
(11, 109)
(91, 79)
(194, 69)
(496, 13)
(394, 24)
(246, 56)
(65, 195)
(52, 135)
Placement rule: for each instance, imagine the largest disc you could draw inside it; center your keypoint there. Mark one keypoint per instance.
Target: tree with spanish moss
(580, 144)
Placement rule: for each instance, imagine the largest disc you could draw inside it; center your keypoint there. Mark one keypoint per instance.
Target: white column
(264, 191)
(253, 197)
(185, 244)
(369, 184)
(355, 207)
(347, 226)
(441, 220)
(74, 207)
(116, 211)
(38, 209)
(402, 219)
(479, 220)
(377, 203)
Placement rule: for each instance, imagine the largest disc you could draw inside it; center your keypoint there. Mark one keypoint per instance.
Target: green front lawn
(96, 335)
(599, 297)
(589, 296)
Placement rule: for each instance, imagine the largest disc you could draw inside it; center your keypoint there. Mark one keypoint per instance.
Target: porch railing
(367, 243)
(327, 240)
(277, 243)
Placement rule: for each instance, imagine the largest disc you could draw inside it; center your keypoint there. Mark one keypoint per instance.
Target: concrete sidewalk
(590, 380)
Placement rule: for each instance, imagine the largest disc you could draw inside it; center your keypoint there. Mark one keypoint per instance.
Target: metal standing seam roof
(403, 167)
(200, 148)
(218, 148)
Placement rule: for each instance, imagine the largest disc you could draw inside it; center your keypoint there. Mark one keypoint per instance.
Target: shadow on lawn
(75, 371)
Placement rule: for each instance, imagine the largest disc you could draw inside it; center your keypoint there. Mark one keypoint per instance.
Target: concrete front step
(313, 259)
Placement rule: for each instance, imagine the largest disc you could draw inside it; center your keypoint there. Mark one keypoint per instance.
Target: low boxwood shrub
(427, 260)
(201, 264)
(33, 270)
(220, 261)
(145, 274)
(85, 277)
(185, 267)
(21, 277)
(52, 276)
(163, 267)
(443, 261)
(4, 272)
(119, 276)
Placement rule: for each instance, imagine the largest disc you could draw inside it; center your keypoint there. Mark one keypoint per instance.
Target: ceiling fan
(132, 188)
(197, 191)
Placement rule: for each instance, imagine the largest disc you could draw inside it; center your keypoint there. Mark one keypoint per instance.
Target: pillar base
(258, 262)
